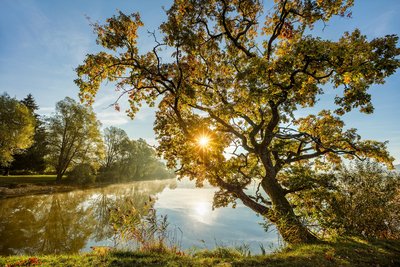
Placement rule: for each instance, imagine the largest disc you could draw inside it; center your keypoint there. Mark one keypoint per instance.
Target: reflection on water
(66, 222)
(190, 209)
(74, 221)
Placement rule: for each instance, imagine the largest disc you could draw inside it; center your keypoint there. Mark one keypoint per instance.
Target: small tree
(32, 159)
(115, 141)
(73, 136)
(232, 85)
(17, 125)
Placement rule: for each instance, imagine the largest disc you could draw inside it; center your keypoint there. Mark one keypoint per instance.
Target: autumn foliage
(238, 72)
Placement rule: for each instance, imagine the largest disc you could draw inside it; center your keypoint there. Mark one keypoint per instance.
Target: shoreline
(21, 189)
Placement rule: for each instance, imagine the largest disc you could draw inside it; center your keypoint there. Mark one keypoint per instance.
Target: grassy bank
(23, 185)
(23, 179)
(349, 252)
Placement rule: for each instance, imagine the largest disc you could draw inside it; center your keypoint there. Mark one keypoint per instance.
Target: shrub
(83, 173)
(144, 227)
(112, 174)
(362, 199)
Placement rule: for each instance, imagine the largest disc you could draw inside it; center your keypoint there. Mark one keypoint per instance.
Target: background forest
(70, 142)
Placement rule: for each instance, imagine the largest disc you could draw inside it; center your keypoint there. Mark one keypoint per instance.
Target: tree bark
(281, 213)
(283, 216)
(59, 176)
(292, 230)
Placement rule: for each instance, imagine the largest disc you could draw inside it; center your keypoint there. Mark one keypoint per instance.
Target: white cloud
(104, 102)
(145, 114)
(107, 96)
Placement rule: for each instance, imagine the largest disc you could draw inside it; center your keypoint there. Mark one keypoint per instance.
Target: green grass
(344, 252)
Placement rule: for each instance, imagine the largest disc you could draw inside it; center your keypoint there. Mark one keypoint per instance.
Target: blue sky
(43, 41)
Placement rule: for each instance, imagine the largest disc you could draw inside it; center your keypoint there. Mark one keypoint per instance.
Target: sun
(203, 141)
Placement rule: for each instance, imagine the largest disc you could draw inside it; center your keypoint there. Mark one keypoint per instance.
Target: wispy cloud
(57, 39)
(382, 24)
(110, 117)
(107, 97)
(46, 111)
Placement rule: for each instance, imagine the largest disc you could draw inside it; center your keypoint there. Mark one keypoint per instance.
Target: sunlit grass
(345, 252)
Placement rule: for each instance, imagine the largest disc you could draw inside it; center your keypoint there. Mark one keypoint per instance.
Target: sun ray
(203, 141)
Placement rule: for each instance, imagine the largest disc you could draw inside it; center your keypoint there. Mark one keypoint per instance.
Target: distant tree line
(125, 158)
(70, 142)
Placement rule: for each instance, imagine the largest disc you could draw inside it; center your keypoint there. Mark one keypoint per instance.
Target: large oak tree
(237, 75)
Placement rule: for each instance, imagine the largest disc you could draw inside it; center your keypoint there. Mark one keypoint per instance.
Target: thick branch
(238, 192)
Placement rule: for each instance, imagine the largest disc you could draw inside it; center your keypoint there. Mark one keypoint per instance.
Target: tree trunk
(291, 229)
(283, 216)
(59, 176)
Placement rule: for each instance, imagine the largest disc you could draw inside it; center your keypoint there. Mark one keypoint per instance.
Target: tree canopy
(73, 137)
(235, 74)
(17, 126)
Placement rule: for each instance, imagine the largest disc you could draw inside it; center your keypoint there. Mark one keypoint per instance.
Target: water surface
(75, 221)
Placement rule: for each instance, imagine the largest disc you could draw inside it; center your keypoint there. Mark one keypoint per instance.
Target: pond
(74, 221)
